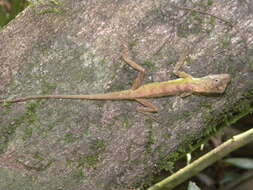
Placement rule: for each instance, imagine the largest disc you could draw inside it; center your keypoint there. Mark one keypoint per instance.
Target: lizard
(184, 85)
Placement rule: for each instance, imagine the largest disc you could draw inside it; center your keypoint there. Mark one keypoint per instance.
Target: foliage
(192, 186)
(9, 9)
(244, 163)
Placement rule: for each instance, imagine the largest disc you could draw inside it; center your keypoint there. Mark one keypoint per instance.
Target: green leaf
(192, 186)
(245, 163)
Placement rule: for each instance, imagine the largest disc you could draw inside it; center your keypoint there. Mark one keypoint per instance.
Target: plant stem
(204, 161)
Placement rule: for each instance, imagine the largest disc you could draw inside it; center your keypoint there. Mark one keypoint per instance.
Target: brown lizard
(186, 84)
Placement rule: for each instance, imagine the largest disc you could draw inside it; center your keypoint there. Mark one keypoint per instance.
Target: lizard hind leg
(137, 82)
(148, 107)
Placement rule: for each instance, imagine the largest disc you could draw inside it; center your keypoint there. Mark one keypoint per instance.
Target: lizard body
(185, 84)
(151, 90)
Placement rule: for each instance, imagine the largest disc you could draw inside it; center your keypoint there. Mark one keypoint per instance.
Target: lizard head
(212, 84)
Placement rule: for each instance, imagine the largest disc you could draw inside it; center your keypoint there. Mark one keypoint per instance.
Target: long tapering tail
(107, 96)
(43, 97)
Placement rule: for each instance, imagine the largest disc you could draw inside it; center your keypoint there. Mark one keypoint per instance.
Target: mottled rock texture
(74, 47)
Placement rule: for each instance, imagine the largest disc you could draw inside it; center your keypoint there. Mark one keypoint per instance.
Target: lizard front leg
(179, 64)
(148, 107)
(137, 82)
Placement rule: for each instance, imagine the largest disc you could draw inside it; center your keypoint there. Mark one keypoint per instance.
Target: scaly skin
(206, 85)
(185, 84)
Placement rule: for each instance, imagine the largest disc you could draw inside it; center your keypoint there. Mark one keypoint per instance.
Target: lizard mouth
(220, 82)
(224, 81)
(213, 84)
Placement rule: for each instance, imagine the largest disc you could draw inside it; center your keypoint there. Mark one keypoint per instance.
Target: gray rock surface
(74, 47)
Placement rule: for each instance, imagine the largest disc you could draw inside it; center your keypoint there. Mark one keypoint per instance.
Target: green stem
(204, 161)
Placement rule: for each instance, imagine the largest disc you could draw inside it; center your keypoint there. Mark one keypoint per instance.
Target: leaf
(245, 163)
(192, 186)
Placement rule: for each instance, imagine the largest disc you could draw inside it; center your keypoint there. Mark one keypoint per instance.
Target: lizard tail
(107, 96)
(37, 98)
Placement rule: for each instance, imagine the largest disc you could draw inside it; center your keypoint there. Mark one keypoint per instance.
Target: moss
(188, 60)
(50, 126)
(51, 10)
(250, 59)
(215, 120)
(6, 134)
(150, 141)
(132, 44)
(28, 120)
(225, 42)
(126, 124)
(149, 65)
(251, 66)
(199, 22)
(183, 30)
(42, 2)
(27, 133)
(88, 161)
(99, 145)
(78, 176)
(193, 25)
(164, 159)
(206, 105)
(48, 7)
(167, 162)
(241, 108)
(196, 16)
(31, 115)
(212, 21)
(166, 136)
(219, 120)
(185, 114)
(11, 179)
(209, 2)
(224, 118)
(69, 138)
(7, 108)
(48, 87)
(38, 156)
(55, 2)
(86, 133)
(148, 148)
